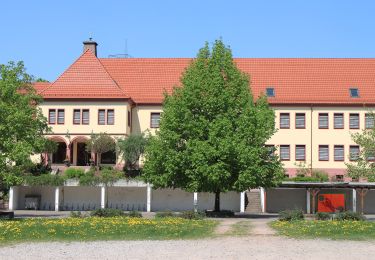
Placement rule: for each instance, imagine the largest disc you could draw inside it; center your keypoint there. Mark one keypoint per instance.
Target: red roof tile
(296, 81)
(85, 78)
(40, 86)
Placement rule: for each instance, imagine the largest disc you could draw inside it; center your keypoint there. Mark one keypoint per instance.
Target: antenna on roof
(122, 55)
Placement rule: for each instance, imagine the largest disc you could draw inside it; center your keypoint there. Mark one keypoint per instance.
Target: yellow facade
(311, 136)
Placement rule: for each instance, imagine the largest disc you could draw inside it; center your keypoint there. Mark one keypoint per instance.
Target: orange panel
(331, 202)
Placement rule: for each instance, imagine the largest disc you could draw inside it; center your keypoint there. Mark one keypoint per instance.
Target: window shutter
(323, 152)
(338, 121)
(284, 120)
(354, 121)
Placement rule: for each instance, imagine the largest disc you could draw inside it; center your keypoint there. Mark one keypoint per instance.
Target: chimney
(90, 45)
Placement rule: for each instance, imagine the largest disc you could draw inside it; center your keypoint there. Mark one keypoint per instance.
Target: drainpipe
(311, 138)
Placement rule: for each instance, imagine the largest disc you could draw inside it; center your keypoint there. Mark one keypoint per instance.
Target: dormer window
(354, 93)
(270, 92)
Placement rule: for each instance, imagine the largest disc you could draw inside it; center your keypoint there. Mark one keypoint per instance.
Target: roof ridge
(114, 81)
(71, 65)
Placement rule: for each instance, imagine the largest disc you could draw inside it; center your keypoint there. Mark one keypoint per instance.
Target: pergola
(313, 188)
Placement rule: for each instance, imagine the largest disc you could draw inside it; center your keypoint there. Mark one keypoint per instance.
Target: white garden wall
(47, 195)
(127, 198)
(79, 198)
(171, 199)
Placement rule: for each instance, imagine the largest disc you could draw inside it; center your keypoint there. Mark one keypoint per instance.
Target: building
(318, 104)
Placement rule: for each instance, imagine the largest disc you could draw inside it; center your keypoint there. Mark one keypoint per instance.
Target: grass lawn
(348, 229)
(96, 228)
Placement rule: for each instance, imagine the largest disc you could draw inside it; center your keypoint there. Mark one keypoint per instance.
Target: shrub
(349, 215)
(191, 214)
(290, 215)
(322, 216)
(74, 173)
(76, 214)
(134, 214)
(165, 214)
(107, 213)
(89, 179)
(44, 180)
(320, 175)
(109, 176)
(39, 169)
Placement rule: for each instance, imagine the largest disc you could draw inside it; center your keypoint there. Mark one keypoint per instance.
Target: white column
(148, 197)
(242, 202)
(57, 198)
(11, 198)
(354, 200)
(102, 197)
(308, 203)
(262, 199)
(195, 201)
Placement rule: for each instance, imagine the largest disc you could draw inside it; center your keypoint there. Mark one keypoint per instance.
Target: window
(60, 116)
(76, 116)
(323, 153)
(354, 121)
(323, 120)
(101, 117)
(270, 92)
(370, 156)
(300, 121)
(338, 153)
(155, 120)
(110, 117)
(284, 120)
(354, 93)
(129, 119)
(338, 120)
(300, 152)
(369, 121)
(52, 116)
(353, 152)
(85, 116)
(285, 152)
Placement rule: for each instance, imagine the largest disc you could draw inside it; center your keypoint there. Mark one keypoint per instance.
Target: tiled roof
(40, 86)
(296, 81)
(85, 78)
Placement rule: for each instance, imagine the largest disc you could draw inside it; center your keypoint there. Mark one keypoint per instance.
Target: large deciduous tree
(22, 124)
(364, 165)
(212, 133)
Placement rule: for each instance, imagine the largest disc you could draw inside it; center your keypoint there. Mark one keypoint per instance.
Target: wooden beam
(314, 193)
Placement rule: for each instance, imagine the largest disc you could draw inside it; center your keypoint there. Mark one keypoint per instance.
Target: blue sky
(48, 35)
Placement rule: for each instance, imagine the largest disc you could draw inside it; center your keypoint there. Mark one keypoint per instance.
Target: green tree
(99, 144)
(22, 124)
(364, 165)
(131, 149)
(212, 133)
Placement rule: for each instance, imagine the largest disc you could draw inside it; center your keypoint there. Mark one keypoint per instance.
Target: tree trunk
(217, 201)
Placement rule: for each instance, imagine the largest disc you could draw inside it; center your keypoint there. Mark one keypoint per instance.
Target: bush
(89, 179)
(76, 214)
(74, 173)
(320, 175)
(165, 214)
(134, 214)
(291, 215)
(191, 214)
(39, 169)
(44, 180)
(107, 213)
(349, 215)
(323, 216)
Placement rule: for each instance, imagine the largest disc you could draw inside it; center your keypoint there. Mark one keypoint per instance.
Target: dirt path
(224, 247)
(260, 227)
(225, 225)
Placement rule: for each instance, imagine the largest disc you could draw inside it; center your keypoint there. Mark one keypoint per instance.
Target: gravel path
(251, 247)
(261, 244)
